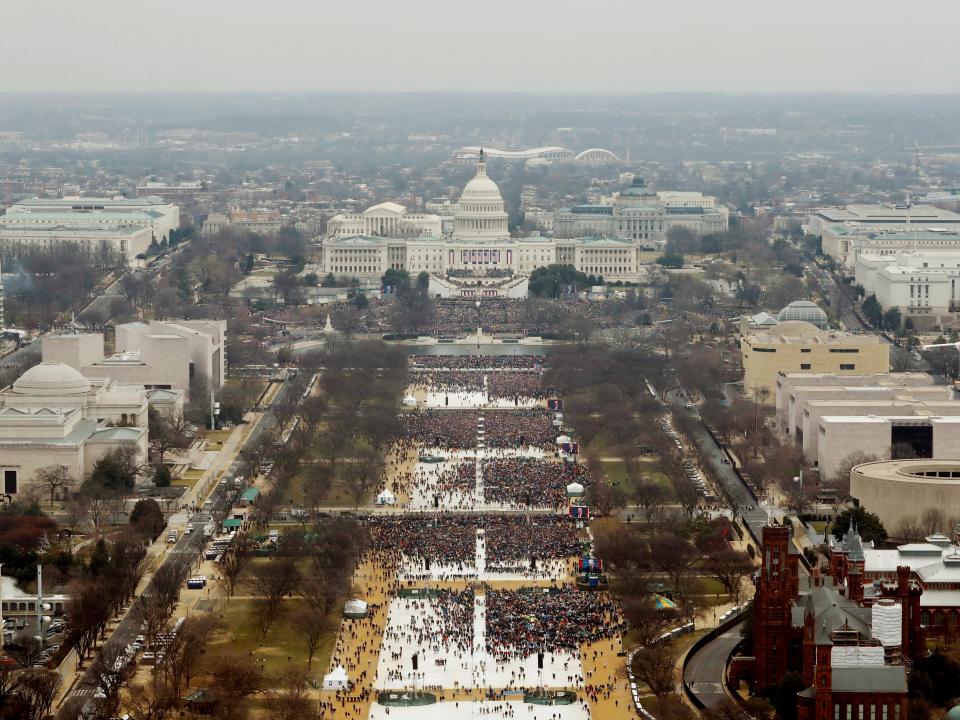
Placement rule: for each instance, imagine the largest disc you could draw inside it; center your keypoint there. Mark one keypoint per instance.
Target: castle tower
(777, 588)
(823, 688)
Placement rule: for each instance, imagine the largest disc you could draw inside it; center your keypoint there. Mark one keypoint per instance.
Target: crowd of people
(549, 620)
(451, 317)
(450, 540)
(497, 384)
(425, 540)
(457, 430)
(519, 428)
(522, 481)
(512, 541)
(441, 429)
(477, 362)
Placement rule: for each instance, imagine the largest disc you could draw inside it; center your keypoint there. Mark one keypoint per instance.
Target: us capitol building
(365, 245)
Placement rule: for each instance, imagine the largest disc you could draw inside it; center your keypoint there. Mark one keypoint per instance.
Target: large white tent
(355, 609)
(336, 680)
(386, 498)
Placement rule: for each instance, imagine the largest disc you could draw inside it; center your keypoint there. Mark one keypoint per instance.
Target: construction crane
(954, 345)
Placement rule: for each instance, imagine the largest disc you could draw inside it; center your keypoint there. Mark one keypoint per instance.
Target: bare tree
(26, 651)
(55, 479)
(651, 497)
(273, 581)
(647, 621)
(97, 501)
(933, 521)
(364, 474)
(311, 623)
(289, 700)
(729, 568)
(235, 677)
(88, 614)
(184, 654)
(168, 433)
(656, 666)
(111, 669)
(674, 556)
(232, 561)
(909, 528)
(844, 467)
(152, 700)
(38, 687)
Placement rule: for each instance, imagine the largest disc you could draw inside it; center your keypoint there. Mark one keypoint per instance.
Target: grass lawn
(283, 646)
(337, 496)
(818, 525)
(188, 479)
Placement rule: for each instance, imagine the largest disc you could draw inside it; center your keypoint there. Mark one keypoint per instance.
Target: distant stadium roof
(552, 152)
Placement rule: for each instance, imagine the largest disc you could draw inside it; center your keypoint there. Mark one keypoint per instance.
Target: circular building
(899, 489)
(805, 311)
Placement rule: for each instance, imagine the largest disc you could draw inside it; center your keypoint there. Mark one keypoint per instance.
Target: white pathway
(472, 399)
(483, 710)
(414, 625)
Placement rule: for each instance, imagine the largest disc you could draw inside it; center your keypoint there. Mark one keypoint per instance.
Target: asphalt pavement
(705, 672)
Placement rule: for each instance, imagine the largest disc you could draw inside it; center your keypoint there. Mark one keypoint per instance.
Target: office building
(885, 228)
(159, 215)
(798, 346)
(637, 214)
(159, 355)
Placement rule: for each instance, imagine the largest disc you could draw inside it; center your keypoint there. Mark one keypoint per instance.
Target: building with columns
(366, 245)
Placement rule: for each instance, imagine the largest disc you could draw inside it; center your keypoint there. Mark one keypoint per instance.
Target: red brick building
(850, 650)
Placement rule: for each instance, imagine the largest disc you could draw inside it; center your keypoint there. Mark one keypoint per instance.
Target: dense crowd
(441, 429)
(455, 317)
(477, 362)
(425, 540)
(458, 429)
(512, 541)
(519, 428)
(528, 481)
(450, 540)
(533, 620)
(517, 384)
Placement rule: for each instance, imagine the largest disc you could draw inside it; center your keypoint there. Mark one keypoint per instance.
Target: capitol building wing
(366, 245)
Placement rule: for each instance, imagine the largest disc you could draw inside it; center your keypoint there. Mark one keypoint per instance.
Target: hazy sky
(629, 46)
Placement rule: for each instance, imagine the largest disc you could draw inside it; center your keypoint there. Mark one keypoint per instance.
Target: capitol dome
(481, 188)
(806, 311)
(51, 378)
(480, 213)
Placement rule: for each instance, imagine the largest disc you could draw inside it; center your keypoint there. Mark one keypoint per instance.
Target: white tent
(575, 489)
(355, 607)
(410, 401)
(563, 439)
(336, 680)
(386, 498)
